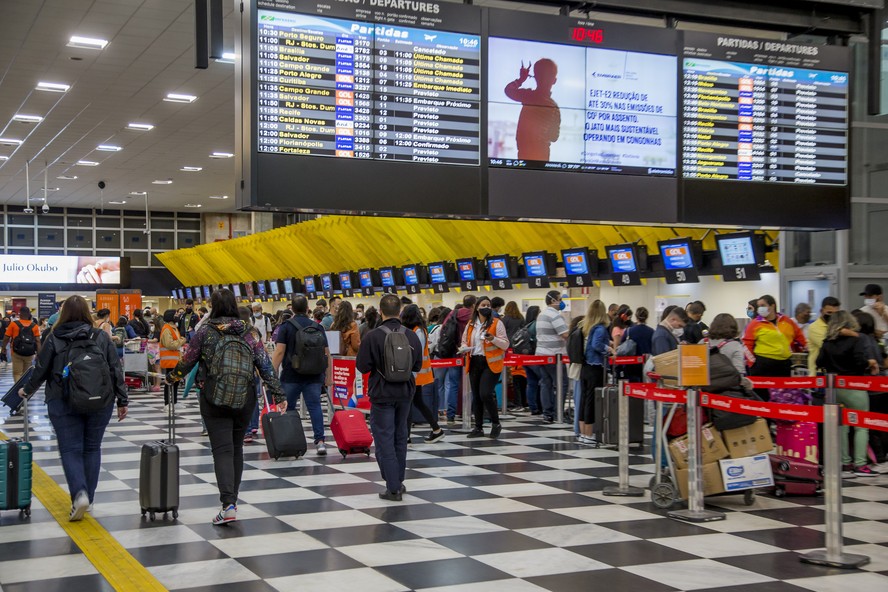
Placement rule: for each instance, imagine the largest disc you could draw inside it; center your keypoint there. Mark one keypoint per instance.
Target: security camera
(101, 184)
(29, 210)
(45, 208)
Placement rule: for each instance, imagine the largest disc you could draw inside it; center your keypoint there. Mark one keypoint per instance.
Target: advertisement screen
(263, 289)
(387, 277)
(180, 293)
(189, 293)
(736, 251)
(499, 268)
(288, 286)
(44, 269)
(677, 256)
(535, 265)
(206, 292)
(437, 274)
(623, 260)
(366, 278)
(236, 290)
(576, 262)
(248, 289)
(326, 282)
(310, 287)
(274, 287)
(466, 268)
(410, 277)
(345, 281)
(573, 108)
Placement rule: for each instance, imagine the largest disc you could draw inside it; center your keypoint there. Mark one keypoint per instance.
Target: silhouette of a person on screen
(539, 123)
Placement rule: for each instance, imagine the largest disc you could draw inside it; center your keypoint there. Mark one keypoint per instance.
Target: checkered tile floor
(521, 513)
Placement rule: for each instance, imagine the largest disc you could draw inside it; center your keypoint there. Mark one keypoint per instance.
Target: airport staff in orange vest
(486, 342)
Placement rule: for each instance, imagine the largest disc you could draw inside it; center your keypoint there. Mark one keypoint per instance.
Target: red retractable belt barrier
(788, 381)
(447, 362)
(616, 361)
(518, 360)
(865, 419)
(644, 390)
(762, 409)
(863, 383)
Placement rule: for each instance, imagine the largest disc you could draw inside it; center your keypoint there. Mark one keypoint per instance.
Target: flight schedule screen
(759, 110)
(360, 83)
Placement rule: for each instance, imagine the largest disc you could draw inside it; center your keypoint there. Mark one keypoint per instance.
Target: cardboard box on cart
(712, 480)
(746, 473)
(666, 365)
(749, 440)
(711, 443)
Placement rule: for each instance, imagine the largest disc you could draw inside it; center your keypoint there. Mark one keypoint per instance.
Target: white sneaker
(78, 508)
(322, 449)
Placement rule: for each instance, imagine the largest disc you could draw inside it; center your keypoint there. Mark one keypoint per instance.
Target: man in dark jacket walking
(390, 401)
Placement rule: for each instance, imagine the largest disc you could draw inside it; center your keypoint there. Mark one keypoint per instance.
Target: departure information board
(759, 110)
(366, 87)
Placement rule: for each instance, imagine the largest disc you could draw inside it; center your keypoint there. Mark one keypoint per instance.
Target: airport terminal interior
(675, 161)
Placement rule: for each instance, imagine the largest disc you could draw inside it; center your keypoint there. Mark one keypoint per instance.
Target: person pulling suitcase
(228, 356)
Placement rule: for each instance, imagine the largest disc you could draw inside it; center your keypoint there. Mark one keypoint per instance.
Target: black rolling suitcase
(607, 415)
(159, 470)
(284, 435)
(11, 399)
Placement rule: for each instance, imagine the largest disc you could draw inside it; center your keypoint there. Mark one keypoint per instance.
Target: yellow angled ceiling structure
(337, 243)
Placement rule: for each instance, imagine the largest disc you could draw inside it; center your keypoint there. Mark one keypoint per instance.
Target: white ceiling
(150, 54)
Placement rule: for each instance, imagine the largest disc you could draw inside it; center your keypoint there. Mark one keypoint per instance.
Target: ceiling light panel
(21, 117)
(108, 148)
(90, 163)
(178, 98)
(141, 127)
(191, 169)
(53, 87)
(221, 155)
(87, 42)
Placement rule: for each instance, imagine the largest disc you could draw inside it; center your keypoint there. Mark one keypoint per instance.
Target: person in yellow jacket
(772, 337)
(486, 342)
(412, 319)
(171, 343)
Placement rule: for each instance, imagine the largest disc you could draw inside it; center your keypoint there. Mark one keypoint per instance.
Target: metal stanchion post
(832, 490)
(658, 442)
(695, 511)
(467, 403)
(623, 440)
(559, 390)
(504, 381)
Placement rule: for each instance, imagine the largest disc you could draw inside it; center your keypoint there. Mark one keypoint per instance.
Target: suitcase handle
(171, 424)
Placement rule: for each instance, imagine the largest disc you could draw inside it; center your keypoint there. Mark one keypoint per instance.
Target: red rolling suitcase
(350, 432)
(793, 476)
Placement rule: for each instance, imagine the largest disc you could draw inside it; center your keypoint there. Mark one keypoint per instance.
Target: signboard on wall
(46, 306)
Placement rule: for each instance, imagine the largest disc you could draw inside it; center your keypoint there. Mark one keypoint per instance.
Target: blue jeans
(312, 393)
(452, 378)
(440, 390)
(254, 419)
(80, 444)
(547, 389)
(388, 422)
(533, 388)
(577, 391)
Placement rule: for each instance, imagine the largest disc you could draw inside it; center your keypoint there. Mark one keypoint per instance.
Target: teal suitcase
(16, 471)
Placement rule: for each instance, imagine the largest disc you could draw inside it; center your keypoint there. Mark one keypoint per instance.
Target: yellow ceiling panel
(336, 243)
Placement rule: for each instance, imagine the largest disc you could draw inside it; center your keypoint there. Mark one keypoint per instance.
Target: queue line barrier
(830, 415)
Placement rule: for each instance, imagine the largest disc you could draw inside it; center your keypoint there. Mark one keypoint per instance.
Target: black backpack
(86, 378)
(723, 376)
(25, 343)
(397, 355)
(524, 340)
(576, 349)
(727, 420)
(448, 341)
(307, 347)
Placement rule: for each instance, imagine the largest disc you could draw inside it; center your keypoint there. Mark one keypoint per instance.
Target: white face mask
(258, 315)
(869, 302)
(763, 311)
(678, 333)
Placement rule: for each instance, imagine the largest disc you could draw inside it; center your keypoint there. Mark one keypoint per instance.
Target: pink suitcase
(795, 476)
(798, 440)
(350, 431)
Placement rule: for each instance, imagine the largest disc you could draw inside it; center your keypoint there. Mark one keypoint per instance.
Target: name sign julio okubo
(31, 269)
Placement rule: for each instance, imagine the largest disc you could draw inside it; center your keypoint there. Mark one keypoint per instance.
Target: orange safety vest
(494, 355)
(425, 376)
(169, 358)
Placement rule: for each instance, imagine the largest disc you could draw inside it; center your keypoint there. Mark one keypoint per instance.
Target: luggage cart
(663, 485)
(135, 361)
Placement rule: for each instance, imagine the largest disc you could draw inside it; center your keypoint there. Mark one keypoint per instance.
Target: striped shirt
(550, 327)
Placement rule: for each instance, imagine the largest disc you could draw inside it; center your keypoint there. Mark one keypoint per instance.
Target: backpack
(448, 340)
(726, 420)
(118, 336)
(25, 343)
(434, 334)
(723, 376)
(627, 347)
(230, 372)
(524, 340)
(576, 346)
(86, 377)
(397, 355)
(307, 346)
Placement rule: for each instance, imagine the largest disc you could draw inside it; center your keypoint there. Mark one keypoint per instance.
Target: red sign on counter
(349, 387)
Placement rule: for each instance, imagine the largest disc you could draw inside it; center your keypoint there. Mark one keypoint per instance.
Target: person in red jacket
(772, 337)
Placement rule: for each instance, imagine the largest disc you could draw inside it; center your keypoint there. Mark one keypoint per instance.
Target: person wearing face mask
(873, 304)
(486, 341)
(669, 332)
(188, 321)
(771, 337)
(261, 322)
(551, 336)
(817, 331)
(750, 309)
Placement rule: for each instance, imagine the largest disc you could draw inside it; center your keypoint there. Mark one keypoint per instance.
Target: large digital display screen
(45, 269)
(737, 250)
(576, 262)
(365, 277)
(310, 287)
(261, 288)
(189, 294)
(763, 111)
(275, 287)
(535, 265)
(466, 270)
(248, 291)
(206, 292)
(622, 260)
(498, 268)
(387, 277)
(677, 256)
(236, 290)
(574, 108)
(437, 274)
(410, 276)
(288, 286)
(345, 281)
